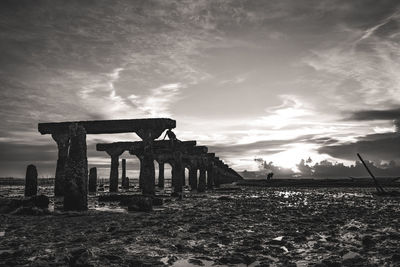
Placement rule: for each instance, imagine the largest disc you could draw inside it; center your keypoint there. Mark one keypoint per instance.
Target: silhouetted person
(269, 176)
(171, 136)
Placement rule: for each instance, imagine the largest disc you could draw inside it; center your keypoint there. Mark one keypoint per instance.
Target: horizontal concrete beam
(110, 126)
(139, 145)
(197, 150)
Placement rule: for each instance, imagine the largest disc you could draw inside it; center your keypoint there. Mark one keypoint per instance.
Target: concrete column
(76, 172)
(62, 141)
(93, 179)
(202, 180)
(183, 176)
(147, 170)
(141, 158)
(127, 183)
(123, 178)
(114, 173)
(217, 176)
(178, 172)
(193, 177)
(210, 177)
(31, 181)
(114, 153)
(161, 179)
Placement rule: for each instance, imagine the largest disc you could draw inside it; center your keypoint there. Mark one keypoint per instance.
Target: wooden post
(378, 187)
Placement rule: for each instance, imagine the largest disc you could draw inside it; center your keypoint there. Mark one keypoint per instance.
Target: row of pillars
(199, 183)
(72, 169)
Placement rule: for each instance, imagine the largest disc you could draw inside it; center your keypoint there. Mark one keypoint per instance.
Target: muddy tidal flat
(248, 227)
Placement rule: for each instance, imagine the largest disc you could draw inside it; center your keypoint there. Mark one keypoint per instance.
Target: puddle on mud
(195, 262)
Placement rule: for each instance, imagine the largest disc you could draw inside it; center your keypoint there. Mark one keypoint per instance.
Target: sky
(276, 80)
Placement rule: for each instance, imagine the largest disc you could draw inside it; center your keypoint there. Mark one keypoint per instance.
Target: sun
(295, 152)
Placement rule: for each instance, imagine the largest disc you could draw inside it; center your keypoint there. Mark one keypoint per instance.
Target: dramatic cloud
(369, 115)
(281, 80)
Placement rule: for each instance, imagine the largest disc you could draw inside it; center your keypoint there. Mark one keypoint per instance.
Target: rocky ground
(252, 226)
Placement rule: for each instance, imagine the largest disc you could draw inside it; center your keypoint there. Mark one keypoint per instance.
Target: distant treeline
(324, 169)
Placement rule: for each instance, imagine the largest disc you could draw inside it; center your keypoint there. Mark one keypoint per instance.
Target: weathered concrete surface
(123, 177)
(138, 146)
(161, 178)
(93, 179)
(147, 129)
(147, 171)
(126, 185)
(210, 176)
(201, 187)
(62, 140)
(114, 153)
(178, 172)
(31, 181)
(76, 174)
(193, 178)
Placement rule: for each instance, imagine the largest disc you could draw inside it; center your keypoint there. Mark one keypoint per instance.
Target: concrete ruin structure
(71, 179)
(205, 170)
(71, 142)
(163, 152)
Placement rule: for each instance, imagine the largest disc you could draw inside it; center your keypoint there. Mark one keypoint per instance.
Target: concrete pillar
(217, 176)
(202, 180)
(147, 170)
(178, 172)
(31, 181)
(123, 168)
(114, 173)
(114, 153)
(193, 177)
(62, 141)
(184, 176)
(141, 158)
(161, 179)
(123, 178)
(76, 172)
(210, 177)
(127, 183)
(93, 179)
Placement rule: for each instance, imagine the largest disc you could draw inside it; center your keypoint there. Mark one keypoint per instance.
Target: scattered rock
(368, 241)
(196, 262)
(34, 205)
(224, 198)
(157, 201)
(236, 258)
(8, 205)
(140, 203)
(30, 211)
(396, 257)
(350, 258)
(79, 257)
(40, 201)
(330, 262)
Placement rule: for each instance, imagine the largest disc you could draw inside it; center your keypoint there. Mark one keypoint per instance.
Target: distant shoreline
(319, 182)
